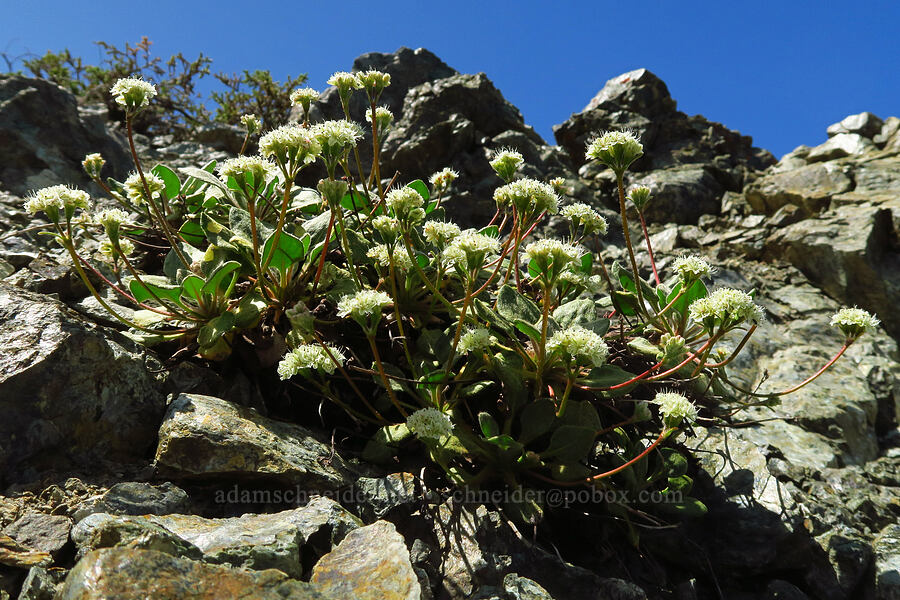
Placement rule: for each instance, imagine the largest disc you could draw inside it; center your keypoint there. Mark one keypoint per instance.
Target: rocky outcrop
(44, 137)
(689, 162)
(71, 393)
(203, 437)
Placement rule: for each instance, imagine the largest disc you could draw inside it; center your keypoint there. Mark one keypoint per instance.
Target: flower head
(477, 339)
(469, 249)
(332, 190)
(337, 137)
(374, 83)
(578, 344)
(345, 83)
(403, 202)
(549, 252)
(615, 149)
(692, 268)
(675, 409)
(559, 186)
(429, 423)
(93, 164)
(52, 199)
(506, 162)
(111, 219)
(307, 358)
(854, 322)
(133, 93)
(250, 170)
(384, 118)
(383, 254)
(583, 215)
(442, 179)
(528, 196)
(671, 348)
(364, 304)
(303, 97)
(640, 196)
(725, 308)
(251, 123)
(292, 147)
(108, 247)
(440, 233)
(134, 187)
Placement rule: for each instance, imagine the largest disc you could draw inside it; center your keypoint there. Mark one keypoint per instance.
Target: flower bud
(252, 123)
(93, 164)
(332, 191)
(640, 196)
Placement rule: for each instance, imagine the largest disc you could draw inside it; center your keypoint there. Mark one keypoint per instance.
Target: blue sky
(778, 71)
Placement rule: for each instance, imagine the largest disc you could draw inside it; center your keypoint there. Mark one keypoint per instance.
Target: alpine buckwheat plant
(502, 359)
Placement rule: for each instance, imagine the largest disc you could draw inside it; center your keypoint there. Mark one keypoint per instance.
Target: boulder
(72, 393)
(372, 563)
(887, 563)
(864, 124)
(708, 159)
(136, 498)
(41, 532)
(133, 574)
(43, 138)
(809, 187)
(207, 438)
(839, 146)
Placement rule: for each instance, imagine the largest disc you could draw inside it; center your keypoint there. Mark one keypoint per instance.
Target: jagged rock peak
(638, 91)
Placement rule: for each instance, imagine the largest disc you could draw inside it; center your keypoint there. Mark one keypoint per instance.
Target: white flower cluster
(57, 197)
(615, 149)
(303, 97)
(133, 93)
(440, 233)
(854, 321)
(692, 268)
(374, 82)
(251, 122)
(442, 179)
(134, 187)
(290, 145)
(469, 249)
(383, 118)
(381, 254)
(476, 339)
(111, 218)
(506, 162)
(726, 307)
(675, 409)
(429, 423)
(337, 137)
(311, 357)
(108, 249)
(363, 304)
(93, 164)
(344, 81)
(528, 195)
(238, 168)
(583, 215)
(579, 344)
(593, 284)
(403, 201)
(387, 226)
(549, 251)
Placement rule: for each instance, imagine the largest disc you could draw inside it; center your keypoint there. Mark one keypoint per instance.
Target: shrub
(506, 361)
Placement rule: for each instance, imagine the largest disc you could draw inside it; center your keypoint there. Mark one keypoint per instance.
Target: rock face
(688, 162)
(130, 574)
(207, 438)
(43, 138)
(71, 393)
(372, 563)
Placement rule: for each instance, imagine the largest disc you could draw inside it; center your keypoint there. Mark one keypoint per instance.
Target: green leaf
(576, 312)
(290, 251)
(570, 443)
(536, 419)
(154, 284)
(489, 316)
(248, 310)
(533, 269)
(528, 330)
(690, 508)
(354, 198)
(643, 346)
(489, 427)
(305, 199)
(587, 263)
(172, 263)
(525, 510)
(436, 343)
(223, 275)
(206, 177)
(581, 413)
(681, 484)
(490, 231)
(695, 292)
(676, 464)
(598, 326)
(317, 226)
(607, 376)
(383, 445)
(420, 187)
(625, 302)
(214, 329)
(359, 246)
(173, 184)
(192, 286)
(512, 305)
(508, 367)
(570, 471)
(192, 233)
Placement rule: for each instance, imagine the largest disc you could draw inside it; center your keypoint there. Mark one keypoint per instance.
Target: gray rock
(70, 392)
(45, 138)
(839, 146)
(782, 590)
(522, 588)
(888, 138)
(137, 498)
(681, 194)
(810, 188)
(887, 563)
(372, 563)
(41, 584)
(41, 532)
(203, 437)
(865, 124)
(381, 495)
(848, 253)
(220, 136)
(258, 542)
(133, 574)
